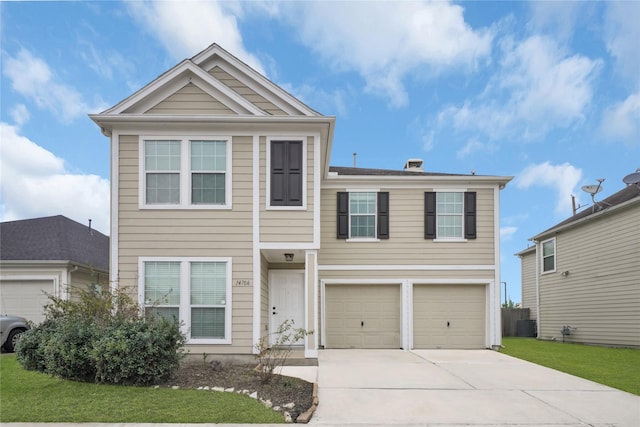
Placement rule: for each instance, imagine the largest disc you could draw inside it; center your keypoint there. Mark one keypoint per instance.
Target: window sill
(450, 240)
(207, 341)
(362, 239)
(186, 207)
(286, 208)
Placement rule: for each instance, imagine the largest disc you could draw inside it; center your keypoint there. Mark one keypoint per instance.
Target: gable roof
(54, 238)
(629, 194)
(248, 94)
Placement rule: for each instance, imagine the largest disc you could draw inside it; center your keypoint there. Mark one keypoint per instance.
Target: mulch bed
(280, 390)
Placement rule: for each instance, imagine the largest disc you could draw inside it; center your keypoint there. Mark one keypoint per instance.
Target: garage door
(449, 316)
(25, 298)
(362, 316)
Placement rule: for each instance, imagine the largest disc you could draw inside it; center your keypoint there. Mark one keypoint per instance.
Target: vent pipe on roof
(414, 165)
(354, 159)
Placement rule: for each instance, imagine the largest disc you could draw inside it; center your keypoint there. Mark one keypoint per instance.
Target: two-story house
(227, 215)
(581, 278)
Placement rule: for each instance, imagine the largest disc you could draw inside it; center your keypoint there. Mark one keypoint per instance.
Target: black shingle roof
(340, 170)
(54, 238)
(624, 195)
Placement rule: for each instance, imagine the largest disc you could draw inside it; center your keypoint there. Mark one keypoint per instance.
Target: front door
(286, 300)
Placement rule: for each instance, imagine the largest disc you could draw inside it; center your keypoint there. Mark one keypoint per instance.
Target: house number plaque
(242, 283)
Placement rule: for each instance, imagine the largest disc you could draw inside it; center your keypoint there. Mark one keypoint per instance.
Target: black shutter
(343, 215)
(383, 215)
(429, 215)
(278, 173)
(294, 173)
(470, 215)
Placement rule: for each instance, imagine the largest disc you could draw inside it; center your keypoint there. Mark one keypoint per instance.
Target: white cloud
(557, 18)
(622, 121)
(474, 146)
(385, 42)
(507, 232)
(538, 87)
(621, 34)
(562, 178)
(35, 183)
(31, 77)
(20, 114)
(187, 28)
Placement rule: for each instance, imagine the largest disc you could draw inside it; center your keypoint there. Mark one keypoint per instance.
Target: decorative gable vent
(414, 165)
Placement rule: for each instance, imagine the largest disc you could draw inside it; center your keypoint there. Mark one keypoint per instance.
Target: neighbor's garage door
(25, 298)
(362, 316)
(449, 316)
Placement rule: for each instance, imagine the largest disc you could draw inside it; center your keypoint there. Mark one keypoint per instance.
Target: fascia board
(469, 180)
(609, 211)
(154, 91)
(262, 86)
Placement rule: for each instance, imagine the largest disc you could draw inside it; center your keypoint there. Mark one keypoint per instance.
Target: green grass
(614, 367)
(27, 396)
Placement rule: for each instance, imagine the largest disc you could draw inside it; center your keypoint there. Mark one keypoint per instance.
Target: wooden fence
(510, 317)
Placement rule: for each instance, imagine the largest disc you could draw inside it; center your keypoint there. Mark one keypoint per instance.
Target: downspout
(537, 289)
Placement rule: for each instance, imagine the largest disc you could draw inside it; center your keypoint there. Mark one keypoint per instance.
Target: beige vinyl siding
(401, 274)
(246, 92)
(528, 280)
(406, 245)
(191, 233)
(600, 296)
(284, 225)
(190, 100)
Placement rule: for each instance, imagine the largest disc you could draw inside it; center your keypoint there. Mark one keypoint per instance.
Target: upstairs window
(450, 215)
(185, 173)
(363, 215)
(549, 256)
(286, 173)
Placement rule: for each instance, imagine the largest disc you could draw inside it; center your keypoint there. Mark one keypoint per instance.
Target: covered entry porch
(288, 291)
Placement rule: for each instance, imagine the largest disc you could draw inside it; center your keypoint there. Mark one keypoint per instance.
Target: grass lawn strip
(613, 367)
(34, 397)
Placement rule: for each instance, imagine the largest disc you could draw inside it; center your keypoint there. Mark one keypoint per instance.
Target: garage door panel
(449, 316)
(362, 316)
(25, 298)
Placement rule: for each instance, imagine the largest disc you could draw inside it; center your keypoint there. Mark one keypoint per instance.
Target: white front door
(286, 300)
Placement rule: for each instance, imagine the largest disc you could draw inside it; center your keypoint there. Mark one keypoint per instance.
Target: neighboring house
(226, 214)
(48, 256)
(584, 274)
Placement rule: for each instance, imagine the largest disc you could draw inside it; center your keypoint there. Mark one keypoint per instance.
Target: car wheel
(12, 340)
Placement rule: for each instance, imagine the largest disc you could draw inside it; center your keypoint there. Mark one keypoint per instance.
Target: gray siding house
(227, 215)
(583, 275)
(48, 256)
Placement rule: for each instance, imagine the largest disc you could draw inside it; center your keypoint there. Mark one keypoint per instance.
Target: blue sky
(547, 92)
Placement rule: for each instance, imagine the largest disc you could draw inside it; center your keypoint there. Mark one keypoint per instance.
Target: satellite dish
(592, 189)
(632, 178)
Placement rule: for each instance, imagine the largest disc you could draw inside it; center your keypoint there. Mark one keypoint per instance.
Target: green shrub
(102, 337)
(68, 353)
(138, 351)
(30, 350)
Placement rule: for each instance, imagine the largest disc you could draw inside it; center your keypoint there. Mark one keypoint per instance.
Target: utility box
(526, 328)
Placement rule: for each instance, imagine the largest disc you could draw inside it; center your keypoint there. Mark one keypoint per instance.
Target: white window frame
(185, 171)
(461, 238)
(185, 294)
(268, 205)
(375, 217)
(542, 257)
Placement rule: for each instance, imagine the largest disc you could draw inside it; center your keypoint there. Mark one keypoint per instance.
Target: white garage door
(449, 316)
(362, 316)
(25, 298)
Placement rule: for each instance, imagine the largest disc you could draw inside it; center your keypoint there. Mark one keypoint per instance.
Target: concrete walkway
(455, 388)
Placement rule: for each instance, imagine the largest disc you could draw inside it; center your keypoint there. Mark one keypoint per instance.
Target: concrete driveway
(460, 387)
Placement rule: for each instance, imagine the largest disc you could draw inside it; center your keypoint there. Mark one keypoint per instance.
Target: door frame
(299, 323)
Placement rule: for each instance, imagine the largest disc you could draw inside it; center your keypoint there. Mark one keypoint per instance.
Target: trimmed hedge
(104, 345)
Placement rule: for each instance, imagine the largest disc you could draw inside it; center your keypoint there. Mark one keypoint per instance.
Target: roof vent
(414, 165)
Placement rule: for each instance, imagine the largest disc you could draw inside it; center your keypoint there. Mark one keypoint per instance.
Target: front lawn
(29, 396)
(614, 367)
